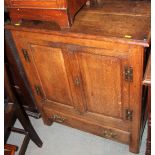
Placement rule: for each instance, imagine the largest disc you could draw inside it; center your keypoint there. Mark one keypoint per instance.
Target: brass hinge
(38, 90)
(129, 114)
(128, 73)
(26, 55)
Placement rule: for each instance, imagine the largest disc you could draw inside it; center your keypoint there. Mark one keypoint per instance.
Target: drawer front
(87, 126)
(54, 4)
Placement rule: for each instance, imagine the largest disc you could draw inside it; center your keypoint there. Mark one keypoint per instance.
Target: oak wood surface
(99, 70)
(119, 25)
(81, 73)
(52, 73)
(89, 116)
(128, 27)
(102, 83)
(134, 21)
(136, 59)
(88, 125)
(121, 7)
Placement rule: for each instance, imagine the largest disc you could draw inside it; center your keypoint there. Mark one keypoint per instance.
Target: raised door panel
(50, 67)
(104, 87)
(46, 71)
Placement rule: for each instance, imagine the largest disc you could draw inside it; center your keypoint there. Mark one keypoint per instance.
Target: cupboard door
(105, 89)
(50, 67)
(46, 71)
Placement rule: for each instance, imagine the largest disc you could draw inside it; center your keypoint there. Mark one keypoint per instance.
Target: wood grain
(102, 84)
(88, 126)
(62, 12)
(89, 90)
(136, 60)
(52, 73)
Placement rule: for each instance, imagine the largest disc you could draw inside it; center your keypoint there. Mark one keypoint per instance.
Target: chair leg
(24, 120)
(25, 141)
(20, 113)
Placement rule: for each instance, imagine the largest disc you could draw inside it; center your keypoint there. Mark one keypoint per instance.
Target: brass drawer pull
(58, 118)
(109, 133)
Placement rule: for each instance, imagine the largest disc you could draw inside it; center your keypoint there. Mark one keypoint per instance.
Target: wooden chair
(14, 111)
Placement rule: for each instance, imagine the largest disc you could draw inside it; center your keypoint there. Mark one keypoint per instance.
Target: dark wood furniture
(147, 82)
(90, 76)
(61, 11)
(14, 110)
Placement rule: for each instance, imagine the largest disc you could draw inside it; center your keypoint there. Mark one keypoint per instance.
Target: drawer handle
(109, 134)
(58, 118)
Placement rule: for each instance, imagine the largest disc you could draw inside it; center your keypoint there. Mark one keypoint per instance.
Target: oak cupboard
(90, 76)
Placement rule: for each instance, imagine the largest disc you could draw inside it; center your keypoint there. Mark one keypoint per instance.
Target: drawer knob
(109, 134)
(58, 118)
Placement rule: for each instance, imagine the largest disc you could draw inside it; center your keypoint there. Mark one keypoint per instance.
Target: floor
(62, 140)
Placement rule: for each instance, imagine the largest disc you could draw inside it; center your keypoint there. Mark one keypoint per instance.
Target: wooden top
(115, 20)
(127, 21)
(147, 76)
(128, 7)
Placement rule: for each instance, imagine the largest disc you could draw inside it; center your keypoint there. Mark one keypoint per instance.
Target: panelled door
(50, 67)
(46, 71)
(103, 79)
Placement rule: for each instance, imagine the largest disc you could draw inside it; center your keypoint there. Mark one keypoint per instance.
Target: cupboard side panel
(28, 68)
(136, 61)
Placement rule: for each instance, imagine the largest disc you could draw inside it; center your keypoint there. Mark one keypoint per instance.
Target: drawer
(53, 4)
(87, 126)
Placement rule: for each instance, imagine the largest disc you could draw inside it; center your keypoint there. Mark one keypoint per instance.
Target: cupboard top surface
(128, 22)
